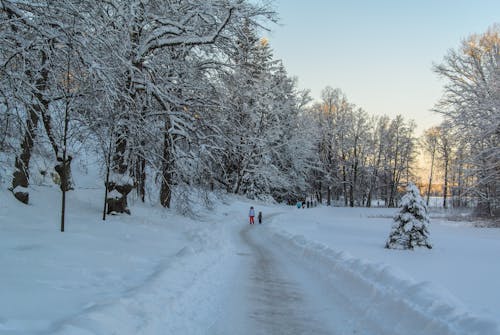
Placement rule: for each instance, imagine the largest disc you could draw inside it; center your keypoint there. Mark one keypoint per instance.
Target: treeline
(176, 95)
(360, 158)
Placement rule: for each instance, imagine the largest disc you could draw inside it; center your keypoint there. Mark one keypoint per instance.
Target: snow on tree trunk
(410, 224)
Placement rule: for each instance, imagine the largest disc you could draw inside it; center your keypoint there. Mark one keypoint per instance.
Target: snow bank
(176, 299)
(377, 291)
(150, 273)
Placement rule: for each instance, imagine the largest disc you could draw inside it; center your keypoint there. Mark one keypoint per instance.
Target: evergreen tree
(410, 224)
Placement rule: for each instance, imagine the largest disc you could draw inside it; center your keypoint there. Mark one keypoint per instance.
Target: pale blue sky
(380, 53)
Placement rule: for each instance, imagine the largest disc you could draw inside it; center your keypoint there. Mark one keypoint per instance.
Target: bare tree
(430, 144)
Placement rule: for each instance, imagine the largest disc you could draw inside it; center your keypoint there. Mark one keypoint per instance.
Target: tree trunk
(21, 173)
(353, 182)
(329, 196)
(119, 204)
(344, 180)
(430, 179)
(63, 169)
(5, 131)
(320, 193)
(445, 187)
(167, 168)
(108, 171)
(106, 182)
(140, 177)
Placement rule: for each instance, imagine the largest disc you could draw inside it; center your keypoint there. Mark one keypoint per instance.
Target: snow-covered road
(273, 294)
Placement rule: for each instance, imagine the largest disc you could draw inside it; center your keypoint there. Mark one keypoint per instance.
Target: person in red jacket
(251, 214)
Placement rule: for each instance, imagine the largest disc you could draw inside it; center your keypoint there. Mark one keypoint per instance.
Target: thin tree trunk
(167, 169)
(445, 188)
(329, 196)
(344, 180)
(140, 177)
(430, 178)
(353, 182)
(320, 193)
(106, 182)
(63, 168)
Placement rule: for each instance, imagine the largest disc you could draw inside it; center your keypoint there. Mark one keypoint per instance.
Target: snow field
(149, 273)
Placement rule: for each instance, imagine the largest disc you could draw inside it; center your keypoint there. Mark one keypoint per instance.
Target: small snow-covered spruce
(409, 229)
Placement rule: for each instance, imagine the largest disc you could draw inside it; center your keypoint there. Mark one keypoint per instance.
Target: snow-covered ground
(155, 272)
(455, 283)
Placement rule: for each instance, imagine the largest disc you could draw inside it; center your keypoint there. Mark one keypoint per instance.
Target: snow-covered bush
(410, 224)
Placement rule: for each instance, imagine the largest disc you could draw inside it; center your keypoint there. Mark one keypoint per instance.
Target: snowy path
(272, 294)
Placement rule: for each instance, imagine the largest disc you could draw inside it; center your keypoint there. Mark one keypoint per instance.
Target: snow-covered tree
(410, 227)
(263, 152)
(37, 37)
(471, 103)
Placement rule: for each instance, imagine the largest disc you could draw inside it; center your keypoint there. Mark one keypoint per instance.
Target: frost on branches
(410, 224)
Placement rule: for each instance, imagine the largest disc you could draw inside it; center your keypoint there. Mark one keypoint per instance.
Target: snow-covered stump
(410, 224)
(117, 198)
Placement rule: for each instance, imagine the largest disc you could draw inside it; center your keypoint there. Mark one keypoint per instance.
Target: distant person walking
(251, 214)
(260, 217)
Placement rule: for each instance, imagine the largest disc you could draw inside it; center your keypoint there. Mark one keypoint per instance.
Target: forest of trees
(180, 95)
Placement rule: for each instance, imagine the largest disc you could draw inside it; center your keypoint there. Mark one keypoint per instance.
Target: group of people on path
(300, 204)
(251, 215)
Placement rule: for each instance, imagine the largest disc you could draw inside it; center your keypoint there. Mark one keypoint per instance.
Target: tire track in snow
(279, 302)
(269, 294)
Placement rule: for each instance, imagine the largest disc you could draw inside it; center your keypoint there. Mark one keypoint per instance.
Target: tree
(38, 35)
(156, 43)
(263, 152)
(334, 116)
(471, 104)
(398, 158)
(409, 229)
(430, 144)
(378, 148)
(445, 150)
